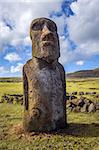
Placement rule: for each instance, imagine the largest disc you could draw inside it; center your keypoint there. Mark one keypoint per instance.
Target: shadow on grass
(74, 129)
(80, 130)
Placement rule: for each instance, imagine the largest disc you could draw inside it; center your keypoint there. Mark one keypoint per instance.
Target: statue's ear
(30, 35)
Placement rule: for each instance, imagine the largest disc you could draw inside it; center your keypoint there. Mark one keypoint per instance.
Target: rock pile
(83, 105)
(81, 93)
(11, 99)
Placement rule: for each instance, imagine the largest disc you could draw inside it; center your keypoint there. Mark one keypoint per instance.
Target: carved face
(45, 41)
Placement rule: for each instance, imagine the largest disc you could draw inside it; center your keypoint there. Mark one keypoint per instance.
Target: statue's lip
(47, 42)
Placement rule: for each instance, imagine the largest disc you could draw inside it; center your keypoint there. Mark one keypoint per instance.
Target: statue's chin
(49, 53)
(49, 59)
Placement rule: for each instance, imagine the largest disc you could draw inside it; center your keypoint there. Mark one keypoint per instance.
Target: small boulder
(71, 106)
(81, 102)
(81, 93)
(88, 102)
(97, 106)
(91, 108)
(92, 93)
(76, 109)
(97, 96)
(71, 97)
(86, 93)
(74, 93)
(84, 108)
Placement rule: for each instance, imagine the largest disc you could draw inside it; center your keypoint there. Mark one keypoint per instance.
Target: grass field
(82, 132)
(83, 85)
(11, 88)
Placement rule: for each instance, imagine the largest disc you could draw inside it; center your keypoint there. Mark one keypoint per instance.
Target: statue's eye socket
(37, 26)
(52, 28)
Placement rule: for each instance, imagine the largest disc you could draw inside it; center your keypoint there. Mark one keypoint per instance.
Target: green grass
(83, 85)
(71, 86)
(10, 88)
(82, 132)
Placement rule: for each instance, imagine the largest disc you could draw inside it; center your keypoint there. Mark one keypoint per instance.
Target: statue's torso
(45, 91)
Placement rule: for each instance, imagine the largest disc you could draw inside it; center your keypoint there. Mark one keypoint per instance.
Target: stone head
(45, 40)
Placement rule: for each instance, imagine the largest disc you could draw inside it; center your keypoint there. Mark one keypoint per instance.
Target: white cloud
(12, 57)
(20, 17)
(83, 28)
(13, 69)
(17, 68)
(66, 55)
(3, 70)
(80, 62)
(33, 1)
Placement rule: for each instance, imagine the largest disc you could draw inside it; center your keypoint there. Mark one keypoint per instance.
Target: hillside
(11, 79)
(84, 74)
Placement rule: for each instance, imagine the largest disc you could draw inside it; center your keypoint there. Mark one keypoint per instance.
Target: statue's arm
(62, 73)
(25, 89)
(63, 78)
(64, 83)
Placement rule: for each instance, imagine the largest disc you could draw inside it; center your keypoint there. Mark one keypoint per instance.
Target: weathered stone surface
(71, 97)
(81, 93)
(90, 93)
(97, 106)
(74, 93)
(45, 41)
(76, 109)
(44, 80)
(84, 108)
(82, 105)
(11, 99)
(81, 102)
(91, 108)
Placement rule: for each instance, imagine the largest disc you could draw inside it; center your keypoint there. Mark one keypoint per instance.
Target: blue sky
(78, 31)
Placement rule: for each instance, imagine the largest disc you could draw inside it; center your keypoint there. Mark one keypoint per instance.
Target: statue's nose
(47, 35)
(45, 28)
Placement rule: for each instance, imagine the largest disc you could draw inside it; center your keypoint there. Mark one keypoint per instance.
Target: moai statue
(44, 80)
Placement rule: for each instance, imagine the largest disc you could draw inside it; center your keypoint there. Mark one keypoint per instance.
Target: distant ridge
(10, 79)
(84, 74)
